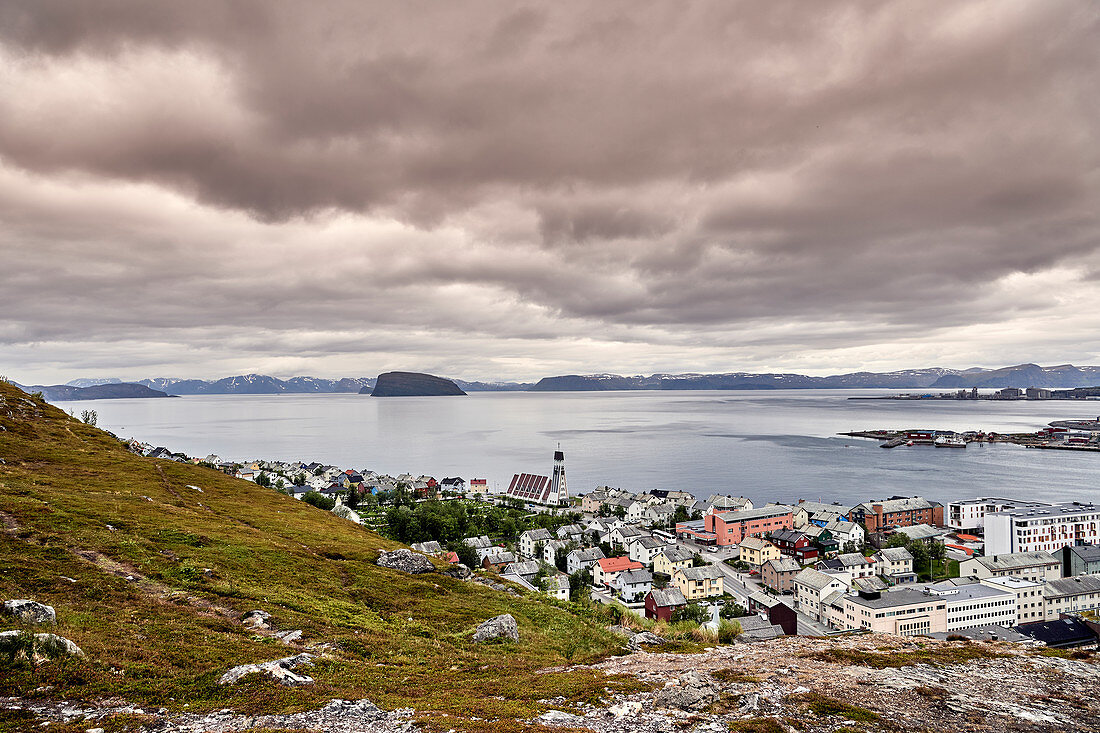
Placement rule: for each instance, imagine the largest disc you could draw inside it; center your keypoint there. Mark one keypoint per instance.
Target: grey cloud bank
(340, 188)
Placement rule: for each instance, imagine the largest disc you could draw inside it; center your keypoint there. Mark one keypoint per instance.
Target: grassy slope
(165, 637)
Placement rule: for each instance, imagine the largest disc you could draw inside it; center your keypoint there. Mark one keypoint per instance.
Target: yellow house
(671, 559)
(756, 551)
(696, 583)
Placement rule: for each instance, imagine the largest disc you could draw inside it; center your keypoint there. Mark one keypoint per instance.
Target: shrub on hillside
(319, 500)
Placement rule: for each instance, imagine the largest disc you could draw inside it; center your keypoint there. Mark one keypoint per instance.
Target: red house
(793, 543)
(662, 603)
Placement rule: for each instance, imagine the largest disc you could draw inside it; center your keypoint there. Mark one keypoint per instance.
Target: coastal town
(981, 568)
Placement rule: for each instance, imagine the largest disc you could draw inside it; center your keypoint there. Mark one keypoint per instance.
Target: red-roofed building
(605, 571)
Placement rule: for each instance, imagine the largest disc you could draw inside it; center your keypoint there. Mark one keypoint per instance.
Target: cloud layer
(341, 188)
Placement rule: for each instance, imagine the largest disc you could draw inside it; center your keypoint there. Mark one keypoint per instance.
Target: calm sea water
(769, 446)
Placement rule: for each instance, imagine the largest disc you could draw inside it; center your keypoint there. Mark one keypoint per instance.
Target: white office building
(1029, 596)
(1042, 528)
(976, 604)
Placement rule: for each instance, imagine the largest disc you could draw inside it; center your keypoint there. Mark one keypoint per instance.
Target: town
(982, 568)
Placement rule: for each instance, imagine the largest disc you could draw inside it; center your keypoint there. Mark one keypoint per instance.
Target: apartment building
(1081, 560)
(1047, 528)
(1071, 595)
(877, 516)
(812, 587)
(1037, 566)
(697, 583)
(969, 514)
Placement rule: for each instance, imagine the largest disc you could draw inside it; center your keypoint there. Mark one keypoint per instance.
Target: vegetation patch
(733, 675)
(757, 725)
(937, 656)
(825, 706)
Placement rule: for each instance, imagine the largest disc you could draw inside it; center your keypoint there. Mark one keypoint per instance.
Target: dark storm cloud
(714, 177)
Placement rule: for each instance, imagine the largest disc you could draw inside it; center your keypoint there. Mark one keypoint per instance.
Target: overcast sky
(514, 190)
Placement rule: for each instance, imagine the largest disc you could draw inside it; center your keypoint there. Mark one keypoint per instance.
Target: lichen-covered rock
(257, 619)
(692, 692)
(40, 647)
(645, 638)
(406, 561)
(500, 627)
(458, 571)
(278, 670)
(289, 637)
(30, 612)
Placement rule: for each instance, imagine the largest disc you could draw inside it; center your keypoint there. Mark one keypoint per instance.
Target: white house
(621, 536)
(811, 587)
(644, 549)
(531, 538)
(633, 585)
(895, 563)
(581, 559)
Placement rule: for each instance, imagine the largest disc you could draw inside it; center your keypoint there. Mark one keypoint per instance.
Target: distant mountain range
(1022, 375)
(103, 391)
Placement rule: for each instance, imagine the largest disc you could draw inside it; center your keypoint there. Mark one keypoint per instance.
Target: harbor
(1077, 435)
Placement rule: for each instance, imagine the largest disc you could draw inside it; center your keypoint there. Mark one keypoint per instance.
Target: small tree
(693, 612)
(319, 500)
(697, 561)
(579, 581)
(89, 417)
(561, 558)
(466, 554)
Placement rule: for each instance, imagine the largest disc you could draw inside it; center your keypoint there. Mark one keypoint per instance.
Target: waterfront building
(969, 514)
(1049, 528)
(1037, 566)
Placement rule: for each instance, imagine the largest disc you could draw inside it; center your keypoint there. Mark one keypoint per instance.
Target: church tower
(558, 490)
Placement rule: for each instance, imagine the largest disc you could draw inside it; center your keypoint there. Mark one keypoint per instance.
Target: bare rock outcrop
(279, 670)
(406, 561)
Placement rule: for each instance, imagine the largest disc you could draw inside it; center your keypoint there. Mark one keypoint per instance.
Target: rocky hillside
(151, 567)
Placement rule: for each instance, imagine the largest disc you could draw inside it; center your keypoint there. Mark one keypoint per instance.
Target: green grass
(201, 559)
